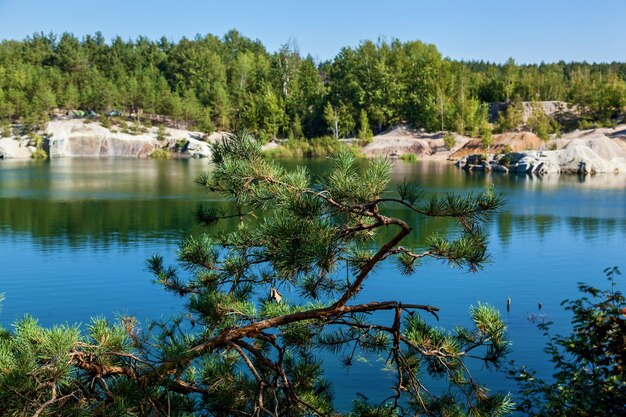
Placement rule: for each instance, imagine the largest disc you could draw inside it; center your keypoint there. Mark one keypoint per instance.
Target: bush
(512, 117)
(449, 140)
(6, 131)
(161, 133)
(105, 122)
(584, 124)
(409, 157)
(40, 154)
(590, 363)
(541, 124)
(181, 145)
(160, 153)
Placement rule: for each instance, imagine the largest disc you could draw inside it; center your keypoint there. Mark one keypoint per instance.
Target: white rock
(12, 148)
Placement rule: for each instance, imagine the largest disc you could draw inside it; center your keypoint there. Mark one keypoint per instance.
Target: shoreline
(592, 151)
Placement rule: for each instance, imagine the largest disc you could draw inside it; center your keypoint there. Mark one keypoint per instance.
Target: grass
(409, 157)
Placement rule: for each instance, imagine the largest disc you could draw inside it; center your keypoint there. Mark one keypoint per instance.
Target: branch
(369, 265)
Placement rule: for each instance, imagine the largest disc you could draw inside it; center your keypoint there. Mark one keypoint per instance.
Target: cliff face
(75, 139)
(87, 146)
(15, 148)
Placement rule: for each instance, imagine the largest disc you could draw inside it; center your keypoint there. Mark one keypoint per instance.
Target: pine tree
(242, 348)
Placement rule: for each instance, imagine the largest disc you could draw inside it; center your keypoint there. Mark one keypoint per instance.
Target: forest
(232, 82)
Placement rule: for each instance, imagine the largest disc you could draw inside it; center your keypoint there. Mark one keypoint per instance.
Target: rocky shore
(590, 151)
(583, 152)
(75, 138)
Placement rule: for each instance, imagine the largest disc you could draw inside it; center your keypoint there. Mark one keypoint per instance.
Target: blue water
(74, 236)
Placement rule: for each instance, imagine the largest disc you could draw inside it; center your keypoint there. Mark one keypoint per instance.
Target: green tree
(242, 347)
(486, 137)
(589, 376)
(331, 116)
(365, 132)
(512, 117)
(540, 123)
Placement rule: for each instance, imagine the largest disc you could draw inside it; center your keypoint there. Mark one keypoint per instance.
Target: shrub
(40, 154)
(541, 124)
(161, 133)
(105, 122)
(584, 124)
(6, 131)
(409, 157)
(181, 145)
(160, 153)
(512, 117)
(590, 363)
(449, 140)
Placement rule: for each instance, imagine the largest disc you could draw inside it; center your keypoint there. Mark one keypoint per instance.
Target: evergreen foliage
(242, 347)
(229, 83)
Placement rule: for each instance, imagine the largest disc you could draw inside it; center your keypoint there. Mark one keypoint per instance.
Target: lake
(74, 236)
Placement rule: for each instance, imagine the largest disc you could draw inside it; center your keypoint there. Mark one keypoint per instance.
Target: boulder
(582, 159)
(198, 149)
(13, 148)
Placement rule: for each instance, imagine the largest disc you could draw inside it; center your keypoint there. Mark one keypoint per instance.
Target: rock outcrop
(576, 157)
(15, 148)
(402, 140)
(512, 141)
(76, 139)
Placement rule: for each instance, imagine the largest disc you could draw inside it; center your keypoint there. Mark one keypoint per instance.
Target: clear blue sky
(528, 31)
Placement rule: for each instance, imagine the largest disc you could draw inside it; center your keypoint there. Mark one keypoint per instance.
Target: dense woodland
(211, 83)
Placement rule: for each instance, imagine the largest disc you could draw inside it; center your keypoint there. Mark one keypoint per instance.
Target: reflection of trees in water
(101, 202)
(96, 222)
(508, 225)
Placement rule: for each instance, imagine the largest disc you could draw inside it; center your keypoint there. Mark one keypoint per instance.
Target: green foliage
(5, 131)
(181, 145)
(512, 117)
(233, 82)
(161, 133)
(160, 153)
(542, 124)
(589, 376)
(449, 140)
(40, 154)
(365, 132)
(105, 122)
(486, 137)
(409, 157)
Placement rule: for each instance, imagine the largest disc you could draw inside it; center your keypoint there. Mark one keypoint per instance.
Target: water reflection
(80, 230)
(78, 202)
